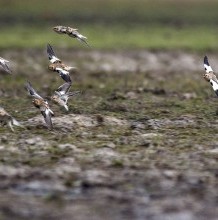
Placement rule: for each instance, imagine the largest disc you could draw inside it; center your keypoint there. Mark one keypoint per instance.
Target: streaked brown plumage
(6, 118)
(42, 105)
(209, 76)
(58, 66)
(71, 32)
(62, 95)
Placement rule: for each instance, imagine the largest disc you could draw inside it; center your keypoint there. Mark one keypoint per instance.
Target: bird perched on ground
(57, 65)
(62, 95)
(71, 32)
(6, 118)
(4, 65)
(42, 104)
(210, 76)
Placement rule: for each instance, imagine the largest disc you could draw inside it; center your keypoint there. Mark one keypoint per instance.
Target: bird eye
(205, 68)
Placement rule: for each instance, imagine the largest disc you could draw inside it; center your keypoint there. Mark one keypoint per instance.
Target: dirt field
(139, 143)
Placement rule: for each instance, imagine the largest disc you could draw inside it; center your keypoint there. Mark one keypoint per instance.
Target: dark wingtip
(27, 84)
(49, 46)
(50, 50)
(206, 60)
(66, 78)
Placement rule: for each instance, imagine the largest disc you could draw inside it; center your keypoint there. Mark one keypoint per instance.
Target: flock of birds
(61, 95)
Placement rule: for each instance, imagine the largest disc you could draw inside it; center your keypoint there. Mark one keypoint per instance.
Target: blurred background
(151, 24)
(140, 142)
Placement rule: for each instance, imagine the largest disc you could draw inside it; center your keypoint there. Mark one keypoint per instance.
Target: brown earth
(139, 143)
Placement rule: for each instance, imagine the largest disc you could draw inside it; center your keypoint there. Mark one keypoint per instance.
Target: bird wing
(83, 41)
(209, 70)
(5, 65)
(2, 59)
(64, 75)
(63, 89)
(32, 91)
(214, 85)
(80, 37)
(47, 117)
(207, 66)
(51, 55)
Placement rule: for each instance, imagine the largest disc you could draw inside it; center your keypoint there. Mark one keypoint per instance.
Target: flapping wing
(63, 89)
(47, 117)
(51, 54)
(207, 66)
(64, 75)
(4, 65)
(32, 91)
(3, 59)
(214, 85)
(83, 41)
(79, 36)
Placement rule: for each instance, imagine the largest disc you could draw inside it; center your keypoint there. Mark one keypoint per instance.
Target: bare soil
(139, 143)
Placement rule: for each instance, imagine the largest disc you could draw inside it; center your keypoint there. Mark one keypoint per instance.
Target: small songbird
(57, 65)
(42, 104)
(6, 118)
(4, 65)
(62, 95)
(71, 32)
(210, 76)
(60, 29)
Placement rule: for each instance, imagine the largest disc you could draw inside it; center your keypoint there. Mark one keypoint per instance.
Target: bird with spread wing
(58, 66)
(209, 76)
(62, 94)
(6, 118)
(71, 32)
(41, 104)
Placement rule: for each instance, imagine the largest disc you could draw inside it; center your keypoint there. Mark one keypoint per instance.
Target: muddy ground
(140, 142)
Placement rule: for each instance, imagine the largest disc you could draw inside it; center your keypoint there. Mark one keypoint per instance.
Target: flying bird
(57, 65)
(210, 76)
(6, 118)
(60, 29)
(4, 65)
(62, 95)
(42, 104)
(71, 32)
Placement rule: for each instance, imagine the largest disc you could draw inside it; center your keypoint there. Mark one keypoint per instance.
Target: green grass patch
(200, 38)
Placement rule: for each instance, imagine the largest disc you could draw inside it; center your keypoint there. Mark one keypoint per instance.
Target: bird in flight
(4, 65)
(6, 118)
(41, 104)
(210, 76)
(62, 94)
(71, 32)
(58, 66)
